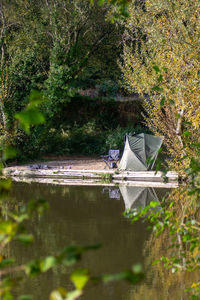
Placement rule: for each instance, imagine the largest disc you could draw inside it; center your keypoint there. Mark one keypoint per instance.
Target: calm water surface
(80, 215)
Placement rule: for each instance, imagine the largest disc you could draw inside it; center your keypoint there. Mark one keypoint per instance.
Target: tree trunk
(3, 71)
(178, 126)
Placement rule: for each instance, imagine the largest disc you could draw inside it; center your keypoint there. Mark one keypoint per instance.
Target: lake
(86, 215)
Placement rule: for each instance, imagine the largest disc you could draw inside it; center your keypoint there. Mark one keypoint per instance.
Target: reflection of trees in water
(161, 283)
(178, 245)
(79, 215)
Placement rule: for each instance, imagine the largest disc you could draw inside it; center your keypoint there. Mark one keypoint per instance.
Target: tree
(48, 46)
(3, 68)
(161, 62)
(76, 38)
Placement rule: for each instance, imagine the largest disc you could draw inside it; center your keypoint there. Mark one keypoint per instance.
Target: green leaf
(92, 247)
(7, 227)
(5, 184)
(58, 294)
(33, 268)
(162, 101)
(69, 256)
(72, 254)
(165, 69)
(8, 296)
(36, 98)
(137, 268)
(172, 102)
(71, 259)
(19, 218)
(187, 133)
(101, 2)
(154, 203)
(9, 152)
(80, 278)
(155, 262)
(114, 277)
(134, 278)
(25, 238)
(6, 262)
(48, 263)
(25, 297)
(157, 88)
(28, 118)
(173, 270)
(73, 295)
(156, 68)
(160, 78)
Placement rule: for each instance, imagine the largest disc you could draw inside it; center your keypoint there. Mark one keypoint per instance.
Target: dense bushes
(84, 126)
(83, 140)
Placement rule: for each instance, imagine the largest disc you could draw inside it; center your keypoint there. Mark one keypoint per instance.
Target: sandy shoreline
(79, 163)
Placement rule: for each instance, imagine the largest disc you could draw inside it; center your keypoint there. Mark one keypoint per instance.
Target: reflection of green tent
(140, 152)
(136, 196)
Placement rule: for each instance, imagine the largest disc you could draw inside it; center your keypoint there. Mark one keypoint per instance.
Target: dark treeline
(67, 50)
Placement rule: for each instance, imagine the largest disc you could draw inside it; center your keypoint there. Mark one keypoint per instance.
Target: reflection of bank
(135, 196)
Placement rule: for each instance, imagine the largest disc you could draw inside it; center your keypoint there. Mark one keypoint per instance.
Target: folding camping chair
(111, 159)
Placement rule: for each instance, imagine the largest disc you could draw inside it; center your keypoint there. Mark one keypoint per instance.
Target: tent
(140, 152)
(135, 196)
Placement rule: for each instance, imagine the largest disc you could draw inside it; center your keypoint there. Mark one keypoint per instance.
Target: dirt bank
(68, 162)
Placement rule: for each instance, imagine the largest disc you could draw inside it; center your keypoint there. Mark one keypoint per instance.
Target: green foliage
(83, 140)
(119, 8)
(31, 115)
(161, 60)
(79, 278)
(24, 75)
(134, 276)
(115, 138)
(106, 178)
(108, 88)
(25, 297)
(25, 238)
(42, 53)
(9, 153)
(177, 216)
(57, 87)
(92, 131)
